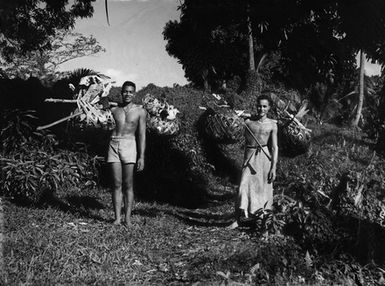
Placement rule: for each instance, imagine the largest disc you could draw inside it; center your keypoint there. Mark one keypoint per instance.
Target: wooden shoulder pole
(59, 121)
(256, 140)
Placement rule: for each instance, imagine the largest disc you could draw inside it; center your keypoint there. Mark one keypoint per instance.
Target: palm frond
(75, 76)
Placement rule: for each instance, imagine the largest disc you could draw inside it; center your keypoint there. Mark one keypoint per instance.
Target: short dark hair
(128, 83)
(265, 97)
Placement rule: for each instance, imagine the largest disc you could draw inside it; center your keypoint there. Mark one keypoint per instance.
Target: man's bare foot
(234, 225)
(127, 224)
(116, 222)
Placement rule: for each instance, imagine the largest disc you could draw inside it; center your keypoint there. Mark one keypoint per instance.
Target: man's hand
(271, 176)
(140, 164)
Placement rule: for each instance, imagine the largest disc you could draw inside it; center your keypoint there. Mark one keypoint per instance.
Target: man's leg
(128, 190)
(116, 172)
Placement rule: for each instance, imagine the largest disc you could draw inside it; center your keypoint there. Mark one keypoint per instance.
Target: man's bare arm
(142, 138)
(274, 149)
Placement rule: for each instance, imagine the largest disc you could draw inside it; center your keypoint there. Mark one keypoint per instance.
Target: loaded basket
(162, 117)
(92, 104)
(226, 126)
(219, 122)
(93, 108)
(293, 137)
(223, 125)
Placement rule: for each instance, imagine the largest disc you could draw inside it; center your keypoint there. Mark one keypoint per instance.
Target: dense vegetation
(326, 226)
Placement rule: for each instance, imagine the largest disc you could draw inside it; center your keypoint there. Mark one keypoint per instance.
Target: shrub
(17, 126)
(177, 164)
(334, 202)
(31, 172)
(32, 165)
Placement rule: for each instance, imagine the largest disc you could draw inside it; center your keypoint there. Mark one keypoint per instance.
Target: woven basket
(163, 127)
(94, 117)
(153, 105)
(92, 90)
(293, 139)
(161, 117)
(223, 126)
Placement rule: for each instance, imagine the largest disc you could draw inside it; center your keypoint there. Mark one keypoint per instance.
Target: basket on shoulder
(223, 125)
(220, 123)
(162, 117)
(90, 97)
(93, 108)
(226, 126)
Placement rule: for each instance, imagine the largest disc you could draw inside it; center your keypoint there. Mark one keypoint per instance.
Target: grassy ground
(166, 245)
(74, 243)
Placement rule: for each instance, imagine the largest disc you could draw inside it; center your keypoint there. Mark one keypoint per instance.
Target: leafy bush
(17, 126)
(32, 165)
(30, 173)
(280, 259)
(176, 165)
(331, 203)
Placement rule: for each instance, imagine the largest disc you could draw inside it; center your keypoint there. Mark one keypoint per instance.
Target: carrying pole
(59, 121)
(256, 140)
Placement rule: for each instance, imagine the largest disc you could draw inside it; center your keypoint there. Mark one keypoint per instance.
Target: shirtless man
(259, 166)
(122, 154)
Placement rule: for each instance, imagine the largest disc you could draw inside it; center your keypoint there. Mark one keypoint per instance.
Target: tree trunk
(253, 85)
(380, 146)
(205, 78)
(251, 43)
(361, 91)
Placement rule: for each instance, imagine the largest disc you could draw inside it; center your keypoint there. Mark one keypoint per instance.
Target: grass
(50, 246)
(74, 243)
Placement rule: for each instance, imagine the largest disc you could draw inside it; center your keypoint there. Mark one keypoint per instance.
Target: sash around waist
(126, 137)
(256, 147)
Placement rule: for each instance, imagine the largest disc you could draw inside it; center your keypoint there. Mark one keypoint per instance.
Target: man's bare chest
(126, 116)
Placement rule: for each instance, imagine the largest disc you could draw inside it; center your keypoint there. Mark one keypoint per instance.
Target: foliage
(16, 128)
(208, 49)
(163, 247)
(348, 102)
(366, 35)
(31, 164)
(22, 94)
(372, 120)
(326, 202)
(213, 46)
(31, 173)
(30, 94)
(65, 46)
(326, 223)
(75, 76)
(177, 161)
(278, 26)
(28, 25)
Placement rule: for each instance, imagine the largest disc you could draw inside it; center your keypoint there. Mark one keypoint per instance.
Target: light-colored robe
(255, 191)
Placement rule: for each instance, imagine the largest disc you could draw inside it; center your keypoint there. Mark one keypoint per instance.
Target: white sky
(135, 49)
(370, 69)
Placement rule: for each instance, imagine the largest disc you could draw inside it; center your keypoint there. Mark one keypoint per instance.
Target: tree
(240, 32)
(66, 45)
(317, 40)
(204, 41)
(361, 90)
(27, 25)
(363, 26)
(215, 38)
